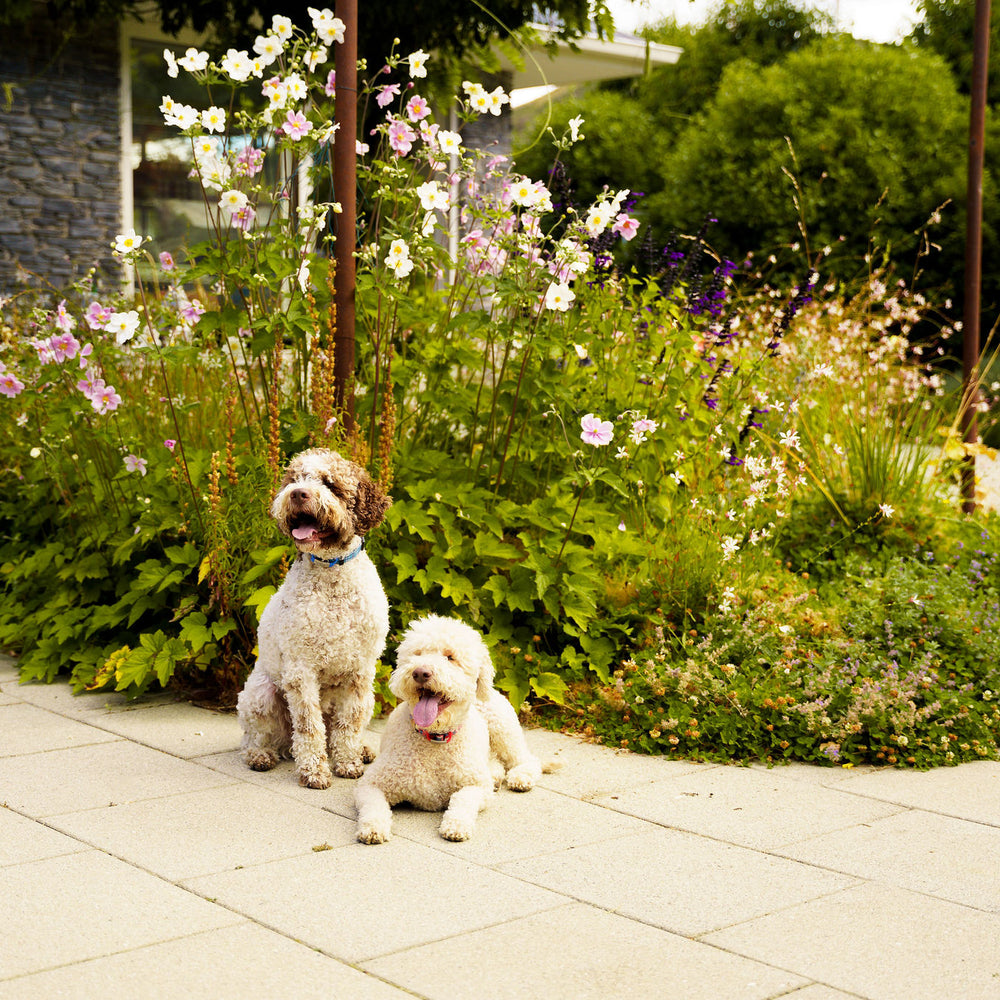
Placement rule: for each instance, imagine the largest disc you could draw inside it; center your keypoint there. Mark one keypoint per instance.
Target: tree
(447, 26)
(946, 27)
(874, 136)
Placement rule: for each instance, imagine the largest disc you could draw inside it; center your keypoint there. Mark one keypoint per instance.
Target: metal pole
(974, 249)
(345, 191)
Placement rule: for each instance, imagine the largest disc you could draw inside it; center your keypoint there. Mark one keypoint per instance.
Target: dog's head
(442, 668)
(325, 500)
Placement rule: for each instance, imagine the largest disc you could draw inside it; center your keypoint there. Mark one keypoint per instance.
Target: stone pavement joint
(140, 858)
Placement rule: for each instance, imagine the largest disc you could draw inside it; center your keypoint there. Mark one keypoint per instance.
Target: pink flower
(97, 316)
(90, 386)
(64, 321)
(243, 218)
(192, 311)
(64, 346)
(401, 136)
(596, 431)
(85, 353)
(166, 261)
(386, 94)
(249, 162)
(170, 444)
(296, 125)
(331, 83)
(625, 226)
(10, 384)
(135, 464)
(417, 108)
(105, 400)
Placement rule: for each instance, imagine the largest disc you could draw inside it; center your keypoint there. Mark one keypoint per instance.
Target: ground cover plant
(673, 498)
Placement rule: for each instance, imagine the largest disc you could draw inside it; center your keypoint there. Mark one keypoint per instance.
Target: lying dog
(450, 740)
(311, 691)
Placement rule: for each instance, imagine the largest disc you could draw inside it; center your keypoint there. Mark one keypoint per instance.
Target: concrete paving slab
(208, 831)
(945, 857)
(970, 791)
(233, 961)
(819, 992)
(23, 839)
(520, 825)
(600, 955)
(683, 883)
(881, 943)
(81, 906)
(588, 770)
(355, 903)
(90, 777)
(59, 697)
(753, 808)
(178, 728)
(26, 729)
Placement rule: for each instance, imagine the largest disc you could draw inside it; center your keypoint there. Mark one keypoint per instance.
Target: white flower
(183, 116)
(125, 243)
(171, 62)
(433, 196)
(417, 61)
(496, 100)
(327, 27)
(237, 65)
(558, 296)
(398, 258)
(303, 276)
(193, 60)
(885, 510)
(214, 120)
(282, 27)
(268, 47)
(449, 142)
(574, 128)
(233, 200)
(789, 439)
(123, 325)
(730, 546)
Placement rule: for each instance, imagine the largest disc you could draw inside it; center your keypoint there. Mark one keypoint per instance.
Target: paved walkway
(140, 859)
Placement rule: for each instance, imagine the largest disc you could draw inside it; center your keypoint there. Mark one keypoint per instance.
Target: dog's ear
(370, 505)
(484, 678)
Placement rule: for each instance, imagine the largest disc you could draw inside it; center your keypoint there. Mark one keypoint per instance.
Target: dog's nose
(299, 496)
(421, 675)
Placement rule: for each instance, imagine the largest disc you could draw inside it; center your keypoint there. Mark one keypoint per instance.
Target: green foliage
(894, 664)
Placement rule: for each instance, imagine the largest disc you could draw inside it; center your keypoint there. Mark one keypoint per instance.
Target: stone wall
(60, 156)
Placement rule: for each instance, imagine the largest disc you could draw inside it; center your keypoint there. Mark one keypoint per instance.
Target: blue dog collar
(340, 560)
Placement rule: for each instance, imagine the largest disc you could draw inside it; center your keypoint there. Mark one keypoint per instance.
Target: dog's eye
(448, 655)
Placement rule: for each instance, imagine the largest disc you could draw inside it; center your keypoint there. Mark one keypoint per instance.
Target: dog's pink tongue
(426, 711)
(303, 532)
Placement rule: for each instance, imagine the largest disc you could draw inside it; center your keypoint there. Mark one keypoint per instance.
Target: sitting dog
(311, 691)
(437, 744)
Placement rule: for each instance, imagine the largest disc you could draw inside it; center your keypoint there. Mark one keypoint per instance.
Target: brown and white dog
(311, 692)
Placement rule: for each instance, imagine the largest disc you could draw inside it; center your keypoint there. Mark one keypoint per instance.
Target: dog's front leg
(348, 719)
(459, 819)
(374, 813)
(308, 732)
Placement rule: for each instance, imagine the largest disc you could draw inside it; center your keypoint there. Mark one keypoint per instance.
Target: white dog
(320, 637)
(436, 748)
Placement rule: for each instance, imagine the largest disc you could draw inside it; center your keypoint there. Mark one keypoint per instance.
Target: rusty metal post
(974, 249)
(345, 191)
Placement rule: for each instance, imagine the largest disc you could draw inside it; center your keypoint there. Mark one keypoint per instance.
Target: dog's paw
(260, 760)
(522, 778)
(455, 828)
(372, 833)
(367, 754)
(349, 768)
(318, 777)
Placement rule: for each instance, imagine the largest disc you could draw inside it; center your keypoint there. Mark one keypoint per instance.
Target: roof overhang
(587, 60)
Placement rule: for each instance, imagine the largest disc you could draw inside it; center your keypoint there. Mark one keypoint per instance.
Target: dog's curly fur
(444, 680)
(311, 692)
